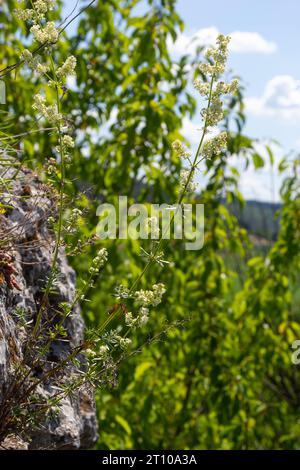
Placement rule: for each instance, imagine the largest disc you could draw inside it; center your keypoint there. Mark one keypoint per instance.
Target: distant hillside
(259, 218)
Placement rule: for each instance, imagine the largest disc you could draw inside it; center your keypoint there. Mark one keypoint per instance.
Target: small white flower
(143, 320)
(99, 261)
(42, 68)
(121, 292)
(67, 142)
(48, 33)
(202, 87)
(124, 342)
(129, 320)
(180, 149)
(187, 181)
(24, 15)
(103, 352)
(49, 112)
(68, 68)
(215, 146)
(150, 297)
(26, 56)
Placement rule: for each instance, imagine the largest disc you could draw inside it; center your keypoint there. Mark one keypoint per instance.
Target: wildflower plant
(211, 88)
(212, 114)
(105, 345)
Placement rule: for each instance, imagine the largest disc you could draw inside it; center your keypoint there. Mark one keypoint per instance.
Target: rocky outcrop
(26, 252)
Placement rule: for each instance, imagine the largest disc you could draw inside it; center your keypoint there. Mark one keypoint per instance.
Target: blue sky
(277, 22)
(265, 45)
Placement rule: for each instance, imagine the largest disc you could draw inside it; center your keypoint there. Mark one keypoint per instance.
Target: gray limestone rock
(30, 248)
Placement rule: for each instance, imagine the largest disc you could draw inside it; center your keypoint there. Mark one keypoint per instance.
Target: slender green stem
(195, 162)
(60, 212)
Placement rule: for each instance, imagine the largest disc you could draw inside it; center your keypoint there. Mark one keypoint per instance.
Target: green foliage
(129, 86)
(213, 370)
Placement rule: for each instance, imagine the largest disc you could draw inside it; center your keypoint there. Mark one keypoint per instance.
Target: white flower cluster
(227, 88)
(144, 299)
(124, 343)
(152, 297)
(67, 142)
(121, 292)
(187, 181)
(180, 149)
(27, 56)
(103, 352)
(138, 321)
(25, 15)
(202, 87)
(49, 112)
(215, 146)
(214, 114)
(50, 167)
(43, 6)
(217, 57)
(68, 67)
(41, 68)
(48, 33)
(99, 261)
(37, 13)
(34, 62)
(215, 67)
(221, 88)
(73, 219)
(212, 89)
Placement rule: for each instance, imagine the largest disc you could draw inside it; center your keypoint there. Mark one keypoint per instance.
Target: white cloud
(261, 184)
(241, 42)
(246, 42)
(191, 132)
(281, 98)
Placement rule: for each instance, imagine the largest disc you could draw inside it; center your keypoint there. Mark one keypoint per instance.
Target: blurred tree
(131, 97)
